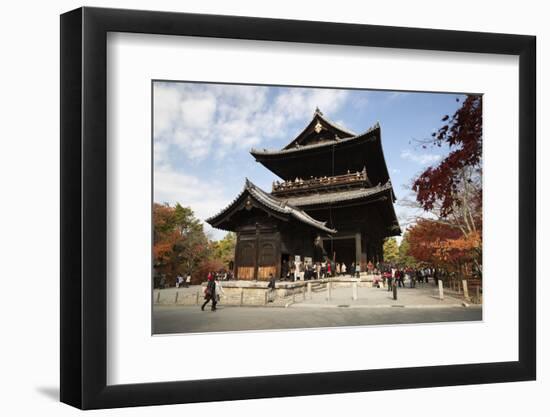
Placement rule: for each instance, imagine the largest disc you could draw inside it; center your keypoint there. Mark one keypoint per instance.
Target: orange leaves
(162, 251)
(181, 246)
(178, 237)
(465, 243)
(440, 243)
(454, 250)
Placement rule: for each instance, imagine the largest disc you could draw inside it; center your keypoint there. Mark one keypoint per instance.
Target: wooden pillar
(364, 249)
(357, 249)
(257, 253)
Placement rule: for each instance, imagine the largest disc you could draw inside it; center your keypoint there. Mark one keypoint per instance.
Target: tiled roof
(337, 196)
(333, 124)
(318, 115)
(275, 204)
(254, 151)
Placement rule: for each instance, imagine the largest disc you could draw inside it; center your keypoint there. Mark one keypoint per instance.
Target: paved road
(180, 319)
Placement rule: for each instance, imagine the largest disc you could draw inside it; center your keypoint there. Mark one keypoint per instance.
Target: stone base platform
(255, 293)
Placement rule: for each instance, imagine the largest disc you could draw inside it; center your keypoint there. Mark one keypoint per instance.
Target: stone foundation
(256, 293)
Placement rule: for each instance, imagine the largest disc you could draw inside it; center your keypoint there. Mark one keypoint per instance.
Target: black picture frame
(84, 207)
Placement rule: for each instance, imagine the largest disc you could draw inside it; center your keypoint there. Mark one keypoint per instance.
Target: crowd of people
(299, 271)
(395, 275)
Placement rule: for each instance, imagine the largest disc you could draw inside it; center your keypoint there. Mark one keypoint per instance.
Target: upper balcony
(324, 184)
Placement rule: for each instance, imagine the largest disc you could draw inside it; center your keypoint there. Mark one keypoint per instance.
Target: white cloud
(420, 158)
(198, 112)
(206, 199)
(200, 118)
(166, 105)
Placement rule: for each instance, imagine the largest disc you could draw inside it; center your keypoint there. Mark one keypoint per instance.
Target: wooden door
(268, 256)
(258, 256)
(246, 257)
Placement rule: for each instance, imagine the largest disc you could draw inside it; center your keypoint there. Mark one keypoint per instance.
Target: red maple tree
(451, 192)
(438, 186)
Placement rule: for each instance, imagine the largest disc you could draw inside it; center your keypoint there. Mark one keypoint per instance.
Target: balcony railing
(300, 184)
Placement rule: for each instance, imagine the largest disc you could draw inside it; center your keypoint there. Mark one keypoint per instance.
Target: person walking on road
(210, 292)
(218, 293)
(271, 288)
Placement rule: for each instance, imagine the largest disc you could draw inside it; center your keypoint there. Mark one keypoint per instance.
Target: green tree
(404, 251)
(185, 221)
(224, 249)
(391, 250)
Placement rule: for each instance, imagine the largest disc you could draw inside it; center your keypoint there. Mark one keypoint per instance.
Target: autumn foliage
(451, 193)
(441, 245)
(437, 186)
(180, 245)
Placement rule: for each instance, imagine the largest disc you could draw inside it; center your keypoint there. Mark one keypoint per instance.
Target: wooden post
(466, 293)
(357, 251)
(440, 285)
(354, 291)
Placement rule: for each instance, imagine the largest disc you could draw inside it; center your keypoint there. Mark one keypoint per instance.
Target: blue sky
(203, 133)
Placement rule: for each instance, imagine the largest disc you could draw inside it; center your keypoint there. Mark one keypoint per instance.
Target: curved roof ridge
(288, 208)
(315, 145)
(276, 204)
(319, 114)
(333, 124)
(211, 218)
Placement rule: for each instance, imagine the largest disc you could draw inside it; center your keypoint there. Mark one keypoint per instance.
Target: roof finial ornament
(317, 111)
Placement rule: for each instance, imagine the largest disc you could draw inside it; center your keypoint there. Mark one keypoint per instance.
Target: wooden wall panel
(245, 272)
(264, 271)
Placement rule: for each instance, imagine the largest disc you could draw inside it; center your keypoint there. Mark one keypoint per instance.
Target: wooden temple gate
(334, 184)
